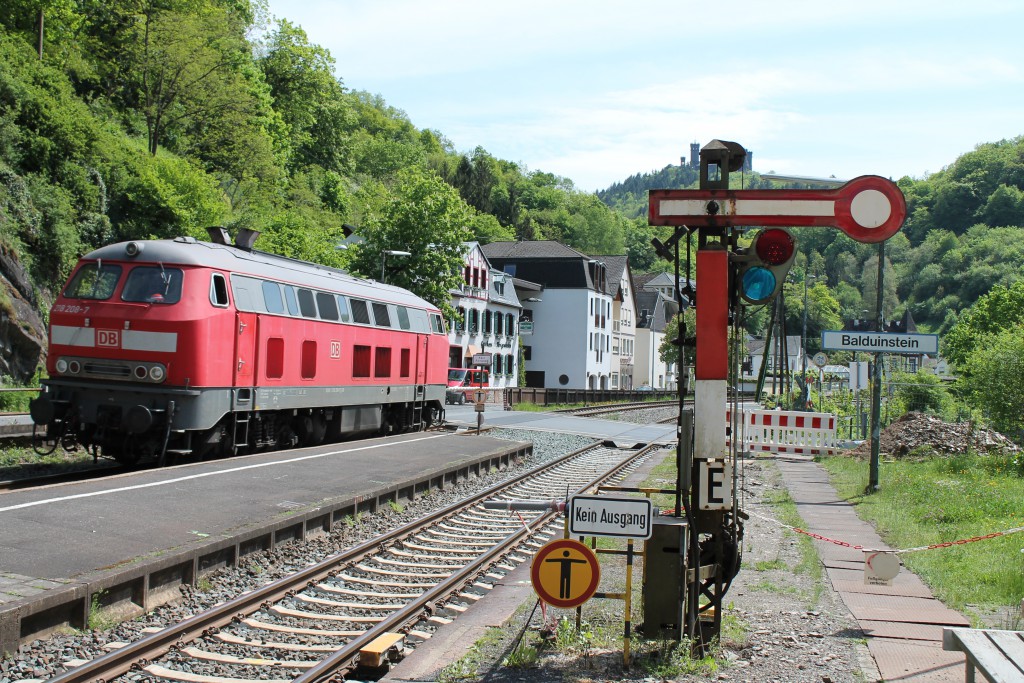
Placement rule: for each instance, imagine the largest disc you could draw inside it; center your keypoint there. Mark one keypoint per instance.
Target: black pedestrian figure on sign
(564, 591)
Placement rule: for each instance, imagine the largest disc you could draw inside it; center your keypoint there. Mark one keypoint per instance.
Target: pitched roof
(530, 249)
(614, 266)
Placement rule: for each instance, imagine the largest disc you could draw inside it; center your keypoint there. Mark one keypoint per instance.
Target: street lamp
(803, 344)
(384, 257)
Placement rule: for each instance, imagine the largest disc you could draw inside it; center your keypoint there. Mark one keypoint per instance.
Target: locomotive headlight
(74, 367)
(140, 371)
(157, 373)
(62, 366)
(133, 248)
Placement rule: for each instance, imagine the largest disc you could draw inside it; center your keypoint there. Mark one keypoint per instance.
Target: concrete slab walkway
(903, 622)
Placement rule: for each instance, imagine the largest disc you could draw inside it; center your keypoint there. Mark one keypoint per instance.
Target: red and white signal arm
(868, 209)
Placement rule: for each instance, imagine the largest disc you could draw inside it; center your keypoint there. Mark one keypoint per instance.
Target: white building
(654, 311)
(620, 281)
(570, 344)
(489, 311)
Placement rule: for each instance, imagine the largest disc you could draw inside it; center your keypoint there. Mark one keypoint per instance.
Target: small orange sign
(565, 573)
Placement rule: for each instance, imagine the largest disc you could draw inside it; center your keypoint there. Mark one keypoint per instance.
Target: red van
(462, 382)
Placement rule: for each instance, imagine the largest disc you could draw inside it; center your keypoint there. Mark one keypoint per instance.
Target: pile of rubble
(918, 429)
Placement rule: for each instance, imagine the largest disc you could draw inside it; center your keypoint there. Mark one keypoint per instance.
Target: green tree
(921, 391)
(424, 216)
(1001, 309)
(993, 379)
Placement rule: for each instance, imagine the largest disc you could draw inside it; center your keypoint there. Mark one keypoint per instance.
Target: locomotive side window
(218, 290)
(289, 297)
(361, 361)
(328, 305)
(380, 314)
(343, 308)
(382, 364)
(275, 358)
(308, 358)
(272, 297)
(93, 281)
(360, 313)
(404, 369)
(403, 318)
(153, 284)
(306, 304)
(246, 291)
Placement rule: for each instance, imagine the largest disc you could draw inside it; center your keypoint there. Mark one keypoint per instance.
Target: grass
(931, 500)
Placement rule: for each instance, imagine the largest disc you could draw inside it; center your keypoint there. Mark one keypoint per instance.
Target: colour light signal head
(765, 265)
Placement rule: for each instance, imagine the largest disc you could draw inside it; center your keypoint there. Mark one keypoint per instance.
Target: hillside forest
(129, 119)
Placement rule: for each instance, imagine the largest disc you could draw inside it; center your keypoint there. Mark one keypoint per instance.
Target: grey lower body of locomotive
(121, 420)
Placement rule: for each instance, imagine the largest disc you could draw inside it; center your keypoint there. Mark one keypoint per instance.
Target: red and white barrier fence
(786, 431)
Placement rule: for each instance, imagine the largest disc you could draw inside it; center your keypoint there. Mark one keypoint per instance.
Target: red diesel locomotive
(170, 347)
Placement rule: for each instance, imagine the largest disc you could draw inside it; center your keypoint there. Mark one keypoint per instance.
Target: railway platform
(127, 543)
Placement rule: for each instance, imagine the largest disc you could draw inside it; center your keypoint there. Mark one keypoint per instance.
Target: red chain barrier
(819, 537)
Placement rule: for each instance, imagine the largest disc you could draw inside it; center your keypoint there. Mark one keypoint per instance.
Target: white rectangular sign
(714, 481)
(880, 342)
(614, 517)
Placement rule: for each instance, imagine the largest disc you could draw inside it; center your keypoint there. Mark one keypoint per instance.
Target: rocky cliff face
(22, 331)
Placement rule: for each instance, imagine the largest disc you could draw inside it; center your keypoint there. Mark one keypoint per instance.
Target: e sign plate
(610, 517)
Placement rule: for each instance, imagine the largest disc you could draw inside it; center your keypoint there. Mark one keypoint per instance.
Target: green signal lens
(758, 284)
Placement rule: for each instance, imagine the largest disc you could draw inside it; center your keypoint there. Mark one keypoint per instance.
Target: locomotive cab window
(153, 284)
(93, 281)
(218, 290)
(437, 324)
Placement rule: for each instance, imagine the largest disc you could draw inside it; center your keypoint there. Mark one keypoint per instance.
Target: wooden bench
(999, 655)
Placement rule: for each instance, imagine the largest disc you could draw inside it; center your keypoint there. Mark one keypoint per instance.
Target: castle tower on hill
(694, 162)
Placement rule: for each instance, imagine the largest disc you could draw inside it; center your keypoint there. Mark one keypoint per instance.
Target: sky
(597, 91)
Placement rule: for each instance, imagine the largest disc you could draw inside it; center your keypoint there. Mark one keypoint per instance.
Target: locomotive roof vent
(133, 249)
(246, 238)
(218, 235)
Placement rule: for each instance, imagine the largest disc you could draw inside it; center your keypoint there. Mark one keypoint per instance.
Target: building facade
(488, 321)
(570, 340)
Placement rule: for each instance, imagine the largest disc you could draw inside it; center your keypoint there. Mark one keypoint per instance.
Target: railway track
(352, 612)
(619, 408)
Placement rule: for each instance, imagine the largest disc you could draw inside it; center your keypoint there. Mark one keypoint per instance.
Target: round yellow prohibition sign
(565, 573)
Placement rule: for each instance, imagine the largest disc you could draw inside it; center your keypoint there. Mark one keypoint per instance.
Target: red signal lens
(775, 246)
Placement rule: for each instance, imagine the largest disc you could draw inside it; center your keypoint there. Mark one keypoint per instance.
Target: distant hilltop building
(694, 162)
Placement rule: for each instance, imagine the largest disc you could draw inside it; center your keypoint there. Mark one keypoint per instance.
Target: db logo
(108, 338)
(335, 349)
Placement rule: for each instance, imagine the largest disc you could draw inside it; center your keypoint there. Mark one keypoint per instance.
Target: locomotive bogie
(181, 346)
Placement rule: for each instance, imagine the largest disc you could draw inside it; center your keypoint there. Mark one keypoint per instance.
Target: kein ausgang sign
(880, 342)
(614, 517)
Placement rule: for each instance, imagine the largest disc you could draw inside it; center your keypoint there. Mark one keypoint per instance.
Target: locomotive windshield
(93, 281)
(153, 284)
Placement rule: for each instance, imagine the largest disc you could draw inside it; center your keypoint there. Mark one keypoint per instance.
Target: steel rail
(141, 652)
